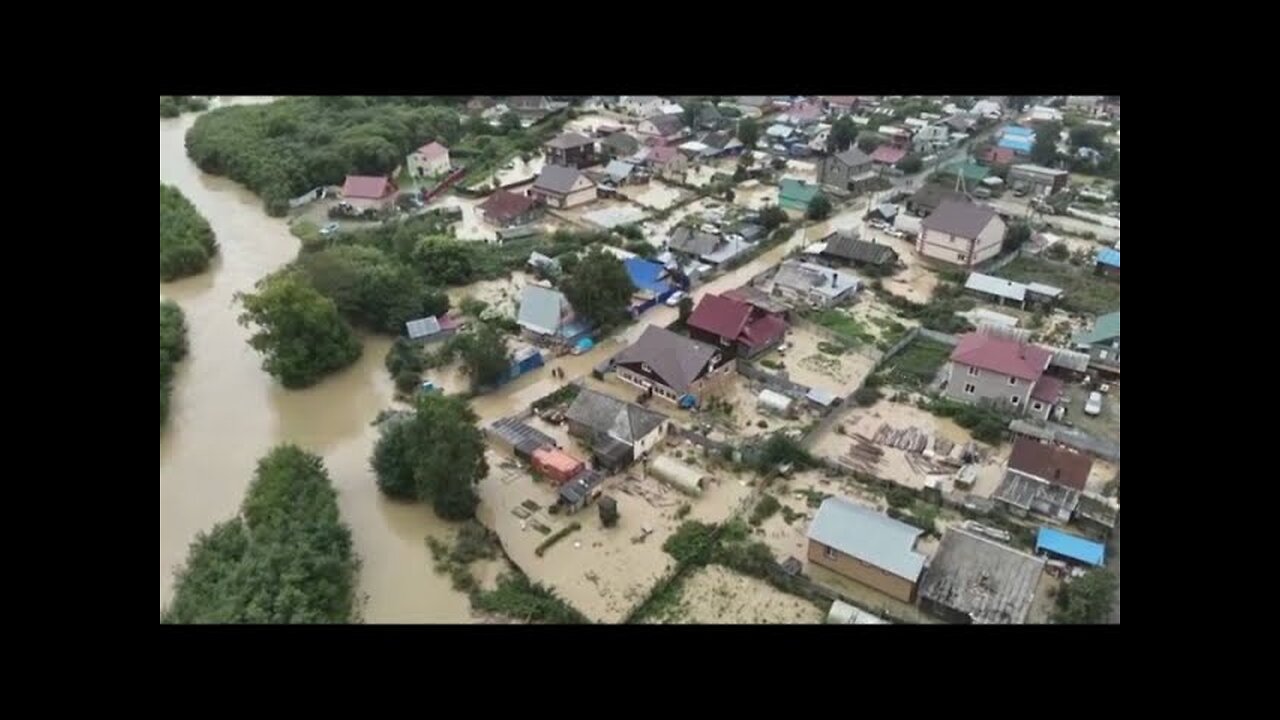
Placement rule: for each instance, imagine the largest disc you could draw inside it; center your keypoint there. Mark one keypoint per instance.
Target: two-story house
(848, 170)
(563, 187)
(428, 161)
(672, 366)
(570, 150)
(1102, 342)
(738, 328)
(961, 233)
(1003, 371)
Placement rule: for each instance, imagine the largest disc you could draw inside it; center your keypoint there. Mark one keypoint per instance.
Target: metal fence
(773, 381)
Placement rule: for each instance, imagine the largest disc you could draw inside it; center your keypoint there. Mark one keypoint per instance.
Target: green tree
(600, 288)
(772, 217)
(300, 333)
(370, 288)
(444, 261)
(842, 135)
(869, 141)
(819, 208)
(484, 354)
(748, 132)
(1017, 102)
(186, 240)
(445, 450)
(1087, 599)
(1045, 150)
(1115, 192)
(287, 558)
(686, 308)
(173, 347)
(1016, 236)
(692, 113)
(510, 123)
(1089, 136)
(911, 164)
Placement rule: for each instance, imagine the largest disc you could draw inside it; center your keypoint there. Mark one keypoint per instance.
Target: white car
(1093, 405)
(329, 229)
(675, 298)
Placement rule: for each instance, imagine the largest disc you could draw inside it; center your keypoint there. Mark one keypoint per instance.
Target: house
(667, 162)
(1003, 371)
(927, 199)
(813, 285)
(974, 579)
(779, 132)
(840, 104)
(709, 118)
(758, 103)
(759, 299)
(693, 243)
(738, 328)
(506, 209)
(618, 172)
(650, 281)
(618, 432)
(428, 161)
(848, 170)
(1040, 113)
(886, 156)
(546, 315)
(796, 194)
(363, 191)
(641, 106)
(931, 138)
(672, 366)
(867, 547)
(961, 233)
(961, 123)
(563, 187)
(1043, 478)
(431, 329)
(669, 128)
(1102, 342)
(997, 156)
(1073, 548)
(1036, 179)
(999, 290)
(619, 145)
(556, 465)
(581, 491)
(1098, 512)
(1018, 139)
(722, 143)
(1107, 262)
(530, 107)
(802, 113)
(989, 109)
(855, 251)
(570, 150)
(1021, 495)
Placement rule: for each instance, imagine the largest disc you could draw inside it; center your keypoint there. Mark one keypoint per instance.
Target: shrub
(900, 497)
(762, 424)
(771, 364)
(866, 396)
(765, 508)
(683, 511)
(1058, 251)
(407, 381)
(556, 537)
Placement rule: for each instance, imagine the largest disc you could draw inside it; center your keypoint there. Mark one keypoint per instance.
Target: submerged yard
(1082, 290)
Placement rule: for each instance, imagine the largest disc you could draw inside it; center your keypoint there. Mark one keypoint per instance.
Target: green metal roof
(796, 193)
(973, 171)
(1106, 327)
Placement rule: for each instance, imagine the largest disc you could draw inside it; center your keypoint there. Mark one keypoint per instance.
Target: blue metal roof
(1017, 144)
(1071, 546)
(1109, 256)
(1016, 131)
(645, 275)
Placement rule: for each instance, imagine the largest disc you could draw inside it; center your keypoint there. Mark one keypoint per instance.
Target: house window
(970, 388)
(1014, 399)
(973, 371)
(962, 256)
(829, 553)
(1013, 381)
(1037, 406)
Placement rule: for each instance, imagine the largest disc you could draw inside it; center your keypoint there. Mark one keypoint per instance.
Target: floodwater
(656, 194)
(227, 413)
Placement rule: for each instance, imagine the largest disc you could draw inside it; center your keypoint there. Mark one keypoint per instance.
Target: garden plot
(814, 360)
(715, 595)
(743, 417)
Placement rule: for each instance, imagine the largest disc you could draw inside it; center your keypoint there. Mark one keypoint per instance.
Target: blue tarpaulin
(646, 274)
(1109, 256)
(585, 344)
(1072, 547)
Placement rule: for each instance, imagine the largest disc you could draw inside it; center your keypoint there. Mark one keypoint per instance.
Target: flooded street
(226, 413)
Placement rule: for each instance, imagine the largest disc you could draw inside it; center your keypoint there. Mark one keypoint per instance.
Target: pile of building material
(862, 455)
(911, 439)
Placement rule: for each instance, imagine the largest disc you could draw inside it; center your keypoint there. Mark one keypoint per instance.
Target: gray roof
(1042, 289)
(667, 124)
(1028, 493)
(989, 582)
(578, 488)
(610, 416)
(557, 178)
(727, 251)
(720, 139)
(999, 287)
(959, 218)
(541, 309)
(674, 358)
(932, 195)
(424, 327)
(853, 156)
(516, 432)
(807, 277)
(622, 142)
(855, 249)
(694, 242)
(867, 535)
(618, 170)
(569, 140)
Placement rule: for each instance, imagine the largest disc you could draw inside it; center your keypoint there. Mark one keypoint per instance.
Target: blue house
(1066, 546)
(1018, 139)
(651, 284)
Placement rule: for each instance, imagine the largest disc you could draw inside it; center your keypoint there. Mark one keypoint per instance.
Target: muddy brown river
(226, 413)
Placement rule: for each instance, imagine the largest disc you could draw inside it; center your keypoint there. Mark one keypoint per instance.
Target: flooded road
(226, 413)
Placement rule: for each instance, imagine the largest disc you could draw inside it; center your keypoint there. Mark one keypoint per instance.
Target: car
(709, 228)
(1093, 405)
(675, 298)
(329, 229)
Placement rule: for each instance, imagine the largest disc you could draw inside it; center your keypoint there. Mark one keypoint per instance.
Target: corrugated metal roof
(990, 582)
(541, 309)
(868, 536)
(1071, 546)
(1106, 327)
(1109, 256)
(424, 327)
(999, 287)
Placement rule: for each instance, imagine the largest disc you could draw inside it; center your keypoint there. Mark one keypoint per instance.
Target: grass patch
(563, 395)
(789, 516)
(557, 537)
(771, 364)
(1082, 290)
(519, 597)
(764, 509)
(985, 423)
(917, 363)
(850, 330)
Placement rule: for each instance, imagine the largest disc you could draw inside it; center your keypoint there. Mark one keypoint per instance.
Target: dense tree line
(370, 288)
(600, 289)
(435, 455)
(172, 106)
(300, 332)
(1087, 599)
(287, 557)
(186, 240)
(173, 347)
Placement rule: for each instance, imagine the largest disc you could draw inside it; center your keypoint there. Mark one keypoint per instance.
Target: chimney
(834, 277)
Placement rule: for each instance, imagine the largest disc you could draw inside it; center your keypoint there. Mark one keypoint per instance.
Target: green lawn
(1082, 290)
(918, 362)
(845, 326)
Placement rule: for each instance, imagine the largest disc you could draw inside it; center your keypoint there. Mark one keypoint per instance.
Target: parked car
(329, 229)
(675, 298)
(1093, 405)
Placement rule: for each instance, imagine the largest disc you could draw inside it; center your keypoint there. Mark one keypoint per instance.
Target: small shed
(842, 613)
(688, 480)
(1066, 546)
(821, 398)
(556, 464)
(580, 491)
(774, 402)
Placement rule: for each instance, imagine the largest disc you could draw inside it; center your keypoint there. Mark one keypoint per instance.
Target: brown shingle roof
(674, 358)
(1057, 465)
(504, 205)
(858, 250)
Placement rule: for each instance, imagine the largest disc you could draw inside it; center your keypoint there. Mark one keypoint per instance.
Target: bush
(520, 598)
(819, 208)
(692, 543)
(407, 381)
(608, 514)
(866, 396)
(683, 511)
(900, 497)
(762, 424)
(556, 537)
(473, 307)
(186, 241)
(764, 509)
(173, 347)
(771, 364)
(772, 217)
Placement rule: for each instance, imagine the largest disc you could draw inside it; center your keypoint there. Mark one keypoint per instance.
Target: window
(970, 388)
(1014, 399)
(962, 256)
(1037, 406)
(829, 553)
(1013, 381)
(973, 371)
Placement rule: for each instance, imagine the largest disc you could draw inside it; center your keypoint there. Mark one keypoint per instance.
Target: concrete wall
(870, 575)
(987, 385)
(989, 241)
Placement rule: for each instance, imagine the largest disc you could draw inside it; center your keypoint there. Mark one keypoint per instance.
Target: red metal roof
(888, 154)
(367, 188)
(433, 150)
(764, 330)
(1048, 389)
(1007, 357)
(1057, 465)
(504, 205)
(998, 156)
(720, 316)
